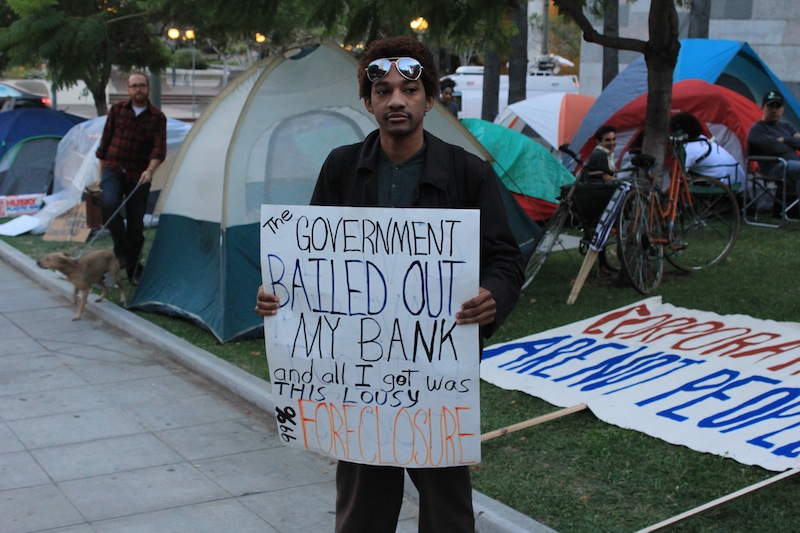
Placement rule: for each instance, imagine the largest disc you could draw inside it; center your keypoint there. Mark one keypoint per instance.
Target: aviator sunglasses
(409, 68)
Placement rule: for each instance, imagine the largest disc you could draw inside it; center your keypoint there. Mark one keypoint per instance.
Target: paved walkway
(110, 424)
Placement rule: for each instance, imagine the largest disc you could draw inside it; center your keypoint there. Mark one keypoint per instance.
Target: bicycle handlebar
(565, 149)
(683, 139)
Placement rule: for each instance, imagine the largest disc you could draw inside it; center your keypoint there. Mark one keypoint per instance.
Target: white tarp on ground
(722, 384)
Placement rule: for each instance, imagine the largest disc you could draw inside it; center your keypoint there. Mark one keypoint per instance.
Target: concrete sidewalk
(110, 424)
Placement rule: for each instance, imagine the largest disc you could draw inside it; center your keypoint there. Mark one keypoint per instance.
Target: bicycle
(694, 223)
(569, 208)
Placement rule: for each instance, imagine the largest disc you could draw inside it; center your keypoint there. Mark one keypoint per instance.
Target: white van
(468, 93)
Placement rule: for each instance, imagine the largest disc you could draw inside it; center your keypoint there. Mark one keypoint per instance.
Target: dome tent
(726, 114)
(263, 139)
(28, 141)
(730, 64)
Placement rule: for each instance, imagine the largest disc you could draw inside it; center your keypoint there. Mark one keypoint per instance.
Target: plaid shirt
(129, 142)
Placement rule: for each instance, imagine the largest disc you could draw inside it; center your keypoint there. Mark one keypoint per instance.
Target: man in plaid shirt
(134, 143)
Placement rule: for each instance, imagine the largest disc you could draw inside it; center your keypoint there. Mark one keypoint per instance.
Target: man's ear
(429, 103)
(368, 105)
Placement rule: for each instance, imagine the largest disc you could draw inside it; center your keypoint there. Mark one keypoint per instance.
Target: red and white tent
(727, 114)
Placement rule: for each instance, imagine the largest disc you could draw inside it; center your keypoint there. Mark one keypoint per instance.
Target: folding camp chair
(766, 194)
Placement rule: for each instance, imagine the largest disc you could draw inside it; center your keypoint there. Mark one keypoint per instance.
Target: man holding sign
(401, 165)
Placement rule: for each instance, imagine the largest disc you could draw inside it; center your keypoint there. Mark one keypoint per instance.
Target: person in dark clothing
(771, 136)
(600, 163)
(398, 83)
(133, 144)
(446, 96)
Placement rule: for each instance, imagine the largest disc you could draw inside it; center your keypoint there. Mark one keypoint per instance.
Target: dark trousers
(368, 498)
(128, 237)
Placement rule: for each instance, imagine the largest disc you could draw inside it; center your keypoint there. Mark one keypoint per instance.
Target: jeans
(128, 238)
(792, 173)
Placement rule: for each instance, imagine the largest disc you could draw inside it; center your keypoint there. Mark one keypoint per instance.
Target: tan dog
(84, 272)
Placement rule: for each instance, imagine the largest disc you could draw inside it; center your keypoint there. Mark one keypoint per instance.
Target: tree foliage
(82, 40)
(363, 21)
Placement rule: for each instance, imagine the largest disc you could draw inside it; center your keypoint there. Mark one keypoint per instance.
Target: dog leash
(97, 233)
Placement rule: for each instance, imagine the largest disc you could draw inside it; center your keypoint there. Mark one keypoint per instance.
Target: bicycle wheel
(611, 258)
(642, 261)
(706, 225)
(546, 243)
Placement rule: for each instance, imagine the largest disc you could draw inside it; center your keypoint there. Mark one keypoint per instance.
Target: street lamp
(418, 26)
(188, 35)
(260, 40)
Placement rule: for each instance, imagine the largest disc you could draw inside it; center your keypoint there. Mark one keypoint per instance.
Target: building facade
(770, 27)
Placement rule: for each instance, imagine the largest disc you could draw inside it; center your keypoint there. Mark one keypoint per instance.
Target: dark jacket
(763, 140)
(451, 178)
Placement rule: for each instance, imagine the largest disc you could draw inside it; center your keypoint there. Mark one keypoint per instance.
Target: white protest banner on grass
(366, 362)
(723, 384)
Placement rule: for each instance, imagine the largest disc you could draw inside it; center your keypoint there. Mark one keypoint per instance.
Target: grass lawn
(578, 474)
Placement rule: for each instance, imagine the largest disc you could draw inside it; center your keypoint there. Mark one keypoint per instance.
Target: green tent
(532, 174)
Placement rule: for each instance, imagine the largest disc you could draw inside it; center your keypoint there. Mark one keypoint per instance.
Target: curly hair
(402, 46)
(686, 123)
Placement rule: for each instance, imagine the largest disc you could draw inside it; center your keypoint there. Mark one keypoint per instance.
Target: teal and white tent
(263, 139)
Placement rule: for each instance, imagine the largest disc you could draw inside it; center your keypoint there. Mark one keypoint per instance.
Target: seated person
(592, 196)
(600, 163)
(717, 163)
(772, 136)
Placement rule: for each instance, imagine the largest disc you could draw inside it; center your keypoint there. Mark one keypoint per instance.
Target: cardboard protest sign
(71, 226)
(723, 384)
(366, 361)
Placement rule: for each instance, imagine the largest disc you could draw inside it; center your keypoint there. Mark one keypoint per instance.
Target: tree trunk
(518, 57)
(699, 18)
(99, 94)
(491, 84)
(661, 55)
(610, 55)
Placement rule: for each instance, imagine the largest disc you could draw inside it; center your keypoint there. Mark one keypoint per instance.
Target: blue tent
(730, 64)
(29, 140)
(21, 124)
(528, 170)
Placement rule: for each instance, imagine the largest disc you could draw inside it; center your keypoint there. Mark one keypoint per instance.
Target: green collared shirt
(397, 184)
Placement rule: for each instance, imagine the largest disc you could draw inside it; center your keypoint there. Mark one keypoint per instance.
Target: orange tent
(551, 119)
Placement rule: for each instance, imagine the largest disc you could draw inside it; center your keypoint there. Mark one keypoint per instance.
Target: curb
(491, 516)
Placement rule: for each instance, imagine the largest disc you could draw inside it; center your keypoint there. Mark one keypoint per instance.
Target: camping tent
(551, 119)
(20, 124)
(28, 141)
(731, 64)
(27, 168)
(263, 139)
(532, 174)
(77, 166)
(727, 115)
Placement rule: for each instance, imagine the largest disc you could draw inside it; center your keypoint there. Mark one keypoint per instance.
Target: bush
(183, 59)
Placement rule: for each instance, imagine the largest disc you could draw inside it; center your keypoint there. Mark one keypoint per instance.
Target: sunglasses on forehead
(409, 68)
